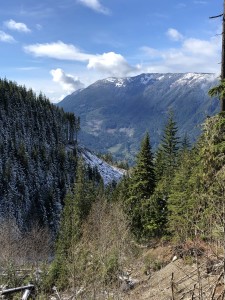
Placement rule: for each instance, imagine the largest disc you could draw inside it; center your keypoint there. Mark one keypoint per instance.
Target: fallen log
(26, 294)
(29, 287)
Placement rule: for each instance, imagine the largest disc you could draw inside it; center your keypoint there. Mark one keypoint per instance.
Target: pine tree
(179, 201)
(167, 153)
(141, 186)
(165, 166)
(77, 206)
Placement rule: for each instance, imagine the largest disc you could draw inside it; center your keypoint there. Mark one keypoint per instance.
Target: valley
(115, 113)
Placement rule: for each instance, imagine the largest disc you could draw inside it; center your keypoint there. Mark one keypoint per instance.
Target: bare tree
(219, 89)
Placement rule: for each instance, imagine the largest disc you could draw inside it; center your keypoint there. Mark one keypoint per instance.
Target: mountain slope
(38, 158)
(116, 112)
(35, 169)
(108, 173)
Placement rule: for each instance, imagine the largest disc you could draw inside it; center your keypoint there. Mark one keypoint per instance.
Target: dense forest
(171, 196)
(36, 169)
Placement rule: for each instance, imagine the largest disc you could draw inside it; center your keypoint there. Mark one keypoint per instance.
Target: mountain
(116, 112)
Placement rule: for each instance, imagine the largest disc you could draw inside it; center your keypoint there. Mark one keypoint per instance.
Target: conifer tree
(77, 206)
(179, 201)
(141, 186)
(165, 166)
(170, 146)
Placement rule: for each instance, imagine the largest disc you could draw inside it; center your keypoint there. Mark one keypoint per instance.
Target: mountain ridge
(116, 112)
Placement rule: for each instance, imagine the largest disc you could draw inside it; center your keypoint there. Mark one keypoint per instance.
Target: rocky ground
(195, 275)
(166, 272)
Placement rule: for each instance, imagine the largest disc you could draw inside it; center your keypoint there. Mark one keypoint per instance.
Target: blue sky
(58, 46)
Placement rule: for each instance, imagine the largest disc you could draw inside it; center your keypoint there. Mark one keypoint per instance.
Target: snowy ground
(108, 172)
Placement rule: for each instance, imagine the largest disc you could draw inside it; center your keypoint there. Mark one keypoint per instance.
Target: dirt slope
(186, 278)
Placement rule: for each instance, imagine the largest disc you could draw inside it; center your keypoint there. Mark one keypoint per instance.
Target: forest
(62, 228)
(36, 169)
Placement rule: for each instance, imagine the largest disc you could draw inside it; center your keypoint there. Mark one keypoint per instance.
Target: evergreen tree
(180, 208)
(76, 209)
(165, 166)
(141, 186)
(185, 143)
(169, 146)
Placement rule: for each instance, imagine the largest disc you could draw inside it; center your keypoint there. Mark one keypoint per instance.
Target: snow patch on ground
(108, 173)
(128, 131)
(111, 79)
(119, 82)
(146, 78)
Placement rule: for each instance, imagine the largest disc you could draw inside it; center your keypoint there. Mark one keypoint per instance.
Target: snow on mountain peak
(146, 78)
(193, 78)
(119, 82)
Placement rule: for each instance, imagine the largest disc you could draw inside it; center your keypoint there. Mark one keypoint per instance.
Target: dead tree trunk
(222, 96)
(222, 100)
(28, 289)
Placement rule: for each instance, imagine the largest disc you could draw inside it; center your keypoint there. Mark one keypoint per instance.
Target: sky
(58, 46)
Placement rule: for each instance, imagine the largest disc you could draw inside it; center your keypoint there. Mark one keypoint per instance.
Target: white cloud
(201, 47)
(194, 55)
(174, 35)
(95, 5)
(111, 63)
(57, 50)
(4, 37)
(68, 82)
(11, 24)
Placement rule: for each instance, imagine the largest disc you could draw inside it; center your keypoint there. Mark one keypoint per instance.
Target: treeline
(36, 169)
(178, 193)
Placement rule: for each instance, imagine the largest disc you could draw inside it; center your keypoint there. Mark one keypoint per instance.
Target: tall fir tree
(165, 166)
(180, 222)
(166, 155)
(141, 186)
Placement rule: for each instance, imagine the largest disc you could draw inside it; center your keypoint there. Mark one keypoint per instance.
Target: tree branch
(216, 16)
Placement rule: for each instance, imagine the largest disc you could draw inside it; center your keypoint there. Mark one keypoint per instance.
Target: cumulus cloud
(201, 47)
(174, 35)
(13, 25)
(194, 55)
(4, 37)
(95, 5)
(58, 50)
(111, 63)
(68, 82)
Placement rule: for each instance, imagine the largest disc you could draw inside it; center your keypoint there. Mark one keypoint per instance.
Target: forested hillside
(116, 112)
(36, 170)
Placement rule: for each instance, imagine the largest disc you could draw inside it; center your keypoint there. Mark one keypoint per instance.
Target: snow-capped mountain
(116, 112)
